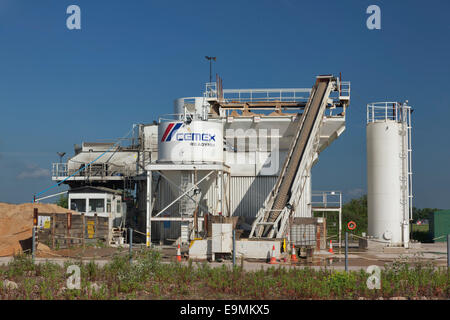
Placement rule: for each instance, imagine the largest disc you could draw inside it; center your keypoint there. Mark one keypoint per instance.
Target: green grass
(420, 232)
(420, 228)
(148, 278)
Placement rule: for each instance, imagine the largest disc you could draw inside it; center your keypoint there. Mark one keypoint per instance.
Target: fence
(63, 230)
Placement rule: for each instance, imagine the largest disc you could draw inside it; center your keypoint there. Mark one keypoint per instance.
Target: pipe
(346, 251)
(448, 251)
(234, 247)
(33, 244)
(131, 244)
(148, 224)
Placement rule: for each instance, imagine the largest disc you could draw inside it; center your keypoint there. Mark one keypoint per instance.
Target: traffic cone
(273, 260)
(331, 247)
(179, 253)
(293, 255)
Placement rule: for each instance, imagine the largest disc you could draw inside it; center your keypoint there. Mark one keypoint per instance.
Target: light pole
(61, 155)
(210, 66)
(58, 165)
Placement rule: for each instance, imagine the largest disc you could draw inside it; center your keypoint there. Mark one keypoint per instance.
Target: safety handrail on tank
(179, 117)
(383, 111)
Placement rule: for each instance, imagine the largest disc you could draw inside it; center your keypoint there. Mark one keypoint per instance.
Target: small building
(440, 225)
(104, 202)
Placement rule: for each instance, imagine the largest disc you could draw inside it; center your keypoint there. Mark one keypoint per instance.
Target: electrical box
(222, 237)
(184, 232)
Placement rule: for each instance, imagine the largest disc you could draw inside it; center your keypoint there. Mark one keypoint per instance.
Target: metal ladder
(405, 156)
(184, 185)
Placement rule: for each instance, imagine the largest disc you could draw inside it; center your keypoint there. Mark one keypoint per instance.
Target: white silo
(195, 141)
(389, 172)
(191, 168)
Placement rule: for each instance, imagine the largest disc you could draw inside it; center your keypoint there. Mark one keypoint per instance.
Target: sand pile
(16, 222)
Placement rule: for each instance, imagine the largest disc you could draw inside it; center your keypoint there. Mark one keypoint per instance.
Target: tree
(63, 201)
(419, 214)
(355, 210)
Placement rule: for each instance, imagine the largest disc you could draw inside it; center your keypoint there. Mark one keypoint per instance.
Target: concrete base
(375, 245)
(257, 249)
(415, 245)
(200, 249)
(394, 250)
(252, 249)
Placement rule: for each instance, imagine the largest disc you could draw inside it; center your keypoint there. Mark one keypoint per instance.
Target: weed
(20, 265)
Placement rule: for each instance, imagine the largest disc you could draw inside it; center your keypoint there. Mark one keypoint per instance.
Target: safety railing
(180, 117)
(326, 199)
(383, 111)
(93, 170)
(266, 95)
(344, 89)
(253, 95)
(211, 90)
(59, 170)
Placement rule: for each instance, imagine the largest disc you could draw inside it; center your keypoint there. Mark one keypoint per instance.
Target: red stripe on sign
(169, 127)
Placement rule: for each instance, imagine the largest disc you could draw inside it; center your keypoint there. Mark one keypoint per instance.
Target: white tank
(196, 142)
(193, 105)
(383, 179)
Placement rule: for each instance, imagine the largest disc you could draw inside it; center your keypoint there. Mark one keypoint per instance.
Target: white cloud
(33, 172)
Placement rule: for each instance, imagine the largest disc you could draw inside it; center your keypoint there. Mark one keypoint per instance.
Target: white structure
(102, 201)
(190, 161)
(196, 141)
(258, 127)
(220, 154)
(389, 172)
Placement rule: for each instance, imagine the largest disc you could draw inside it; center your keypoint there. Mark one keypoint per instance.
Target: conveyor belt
(282, 191)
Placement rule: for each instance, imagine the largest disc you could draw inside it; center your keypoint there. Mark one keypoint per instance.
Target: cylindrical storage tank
(194, 142)
(384, 181)
(178, 106)
(193, 105)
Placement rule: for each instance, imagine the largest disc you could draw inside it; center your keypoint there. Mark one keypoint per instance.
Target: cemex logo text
(206, 137)
(186, 136)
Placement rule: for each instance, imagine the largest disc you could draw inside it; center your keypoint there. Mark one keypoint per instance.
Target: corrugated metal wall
(247, 196)
(249, 193)
(303, 205)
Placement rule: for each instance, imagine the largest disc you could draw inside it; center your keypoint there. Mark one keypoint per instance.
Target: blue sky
(131, 59)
